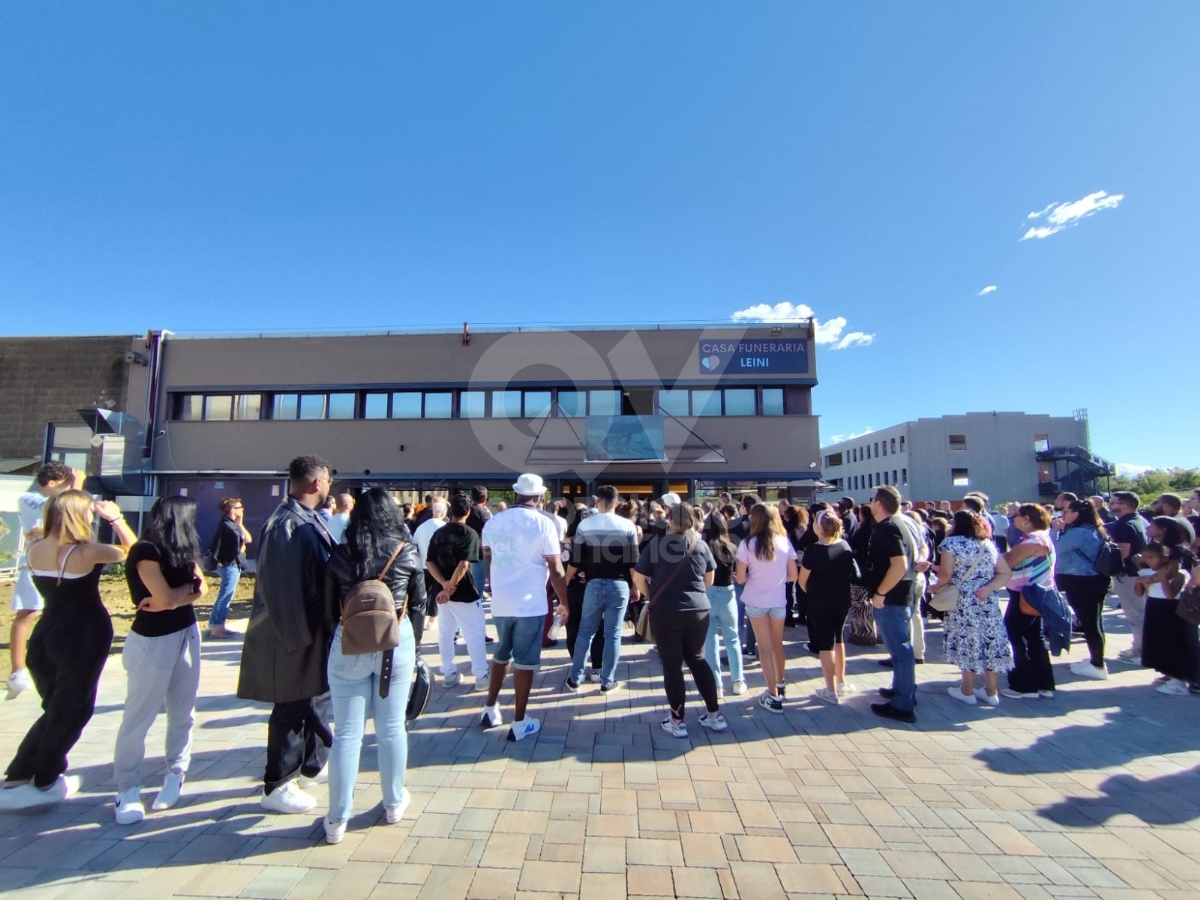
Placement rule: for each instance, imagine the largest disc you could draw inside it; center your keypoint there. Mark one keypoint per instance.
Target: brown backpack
(370, 622)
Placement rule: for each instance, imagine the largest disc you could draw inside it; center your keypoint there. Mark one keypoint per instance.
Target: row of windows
(471, 404)
(866, 482)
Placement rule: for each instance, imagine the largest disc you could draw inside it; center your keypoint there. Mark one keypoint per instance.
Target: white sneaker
(1086, 669)
(169, 795)
(1174, 688)
(27, 796)
(334, 831)
(321, 777)
(1017, 695)
(588, 675)
(527, 727)
(984, 697)
(713, 722)
(18, 683)
(395, 813)
(1045, 695)
(451, 680)
(739, 688)
(481, 684)
(491, 717)
(129, 806)
(287, 798)
(825, 695)
(846, 688)
(956, 692)
(674, 727)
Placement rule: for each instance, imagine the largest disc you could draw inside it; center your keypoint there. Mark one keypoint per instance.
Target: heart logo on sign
(710, 362)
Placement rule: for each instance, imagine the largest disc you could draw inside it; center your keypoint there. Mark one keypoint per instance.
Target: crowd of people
(343, 592)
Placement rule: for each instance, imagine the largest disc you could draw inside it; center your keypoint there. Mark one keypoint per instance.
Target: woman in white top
(766, 562)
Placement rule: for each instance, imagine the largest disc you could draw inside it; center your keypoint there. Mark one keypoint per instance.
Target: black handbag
(1187, 607)
(418, 694)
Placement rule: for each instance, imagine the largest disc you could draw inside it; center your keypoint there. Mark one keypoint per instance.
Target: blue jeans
(723, 618)
(354, 688)
(478, 576)
(894, 624)
(744, 629)
(605, 599)
(230, 575)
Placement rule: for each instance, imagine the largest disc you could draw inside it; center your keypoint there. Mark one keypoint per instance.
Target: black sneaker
(771, 704)
(887, 663)
(610, 686)
(887, 711)
(571, 685)
(888, 694)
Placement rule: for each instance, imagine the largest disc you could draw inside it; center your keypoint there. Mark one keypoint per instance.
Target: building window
(312, 406)
(674, 403)
(375, 406)
(572, 404)
(870, 481)
(1041, 443)
(833, 459)
(537, 404)
(247, 406)
(406, 405)
(218, 408)
(868, 448)
(895, 480)
(885, 477)
(189, 407)
(904, 476)
(958, 442)
(506, 404)
(285, 406)
(893, 446)
(960, 477)
(772, 400)
(740, 402)
(901, 443)
(884, 449)
(341, 406)
(604, 403)
(439, 404)
(472, 404)
(706, 403)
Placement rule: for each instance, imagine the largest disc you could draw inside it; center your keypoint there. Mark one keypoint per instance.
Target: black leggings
(680, 639)
(1086, 595)
(1031, 653)
(67, 652)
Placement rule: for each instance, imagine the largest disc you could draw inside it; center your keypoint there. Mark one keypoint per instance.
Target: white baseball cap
(530, 486)
(671, 499)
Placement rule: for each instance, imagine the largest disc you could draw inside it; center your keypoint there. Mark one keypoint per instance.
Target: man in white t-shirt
(438, 511)
(522, 550)
(341, 518)
(52, 479)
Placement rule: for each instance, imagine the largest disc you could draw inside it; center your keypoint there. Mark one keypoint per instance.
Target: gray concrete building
(1010, 456)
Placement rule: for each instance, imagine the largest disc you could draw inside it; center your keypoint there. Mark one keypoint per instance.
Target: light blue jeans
(230, 576)
(354, 688)
(479, 576)
(723, 618)
(605, 599)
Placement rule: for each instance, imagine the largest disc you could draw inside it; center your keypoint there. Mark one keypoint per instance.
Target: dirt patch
(115, 594)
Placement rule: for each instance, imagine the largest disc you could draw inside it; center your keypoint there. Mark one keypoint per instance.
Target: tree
(1149, 484)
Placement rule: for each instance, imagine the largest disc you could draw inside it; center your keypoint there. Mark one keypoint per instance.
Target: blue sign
(768, 356)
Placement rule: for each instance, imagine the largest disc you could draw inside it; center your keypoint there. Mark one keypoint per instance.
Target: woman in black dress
(827, 571)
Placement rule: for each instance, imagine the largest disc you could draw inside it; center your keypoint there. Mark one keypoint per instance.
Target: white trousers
(470, 618)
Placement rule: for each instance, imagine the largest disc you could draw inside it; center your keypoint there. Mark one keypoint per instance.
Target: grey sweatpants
(1133, 607)
(159, 670)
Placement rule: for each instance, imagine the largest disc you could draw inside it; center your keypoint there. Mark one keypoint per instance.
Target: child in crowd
(1168, 642)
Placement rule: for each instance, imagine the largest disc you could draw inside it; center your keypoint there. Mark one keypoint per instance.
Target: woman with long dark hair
(375, 684)
(1032, 562)
(69, 644)
(766, 562)
(1078, 550)
(795, 525)
(229, 553)
(161, 654)
(862, 615)
(673, 571)
(722, 617)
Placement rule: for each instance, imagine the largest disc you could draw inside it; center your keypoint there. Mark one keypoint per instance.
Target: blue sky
(217, 166)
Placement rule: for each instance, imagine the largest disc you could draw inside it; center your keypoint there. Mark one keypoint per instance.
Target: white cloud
(990, 289)
(838, 438)
(1131, 470)
(1059, 216)
(829, 331)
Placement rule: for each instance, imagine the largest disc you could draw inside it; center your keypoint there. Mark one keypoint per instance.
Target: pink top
(766, 582)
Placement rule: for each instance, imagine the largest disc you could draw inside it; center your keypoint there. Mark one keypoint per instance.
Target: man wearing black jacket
(287, 642)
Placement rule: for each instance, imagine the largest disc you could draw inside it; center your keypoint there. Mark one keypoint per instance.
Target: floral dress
(975, 636)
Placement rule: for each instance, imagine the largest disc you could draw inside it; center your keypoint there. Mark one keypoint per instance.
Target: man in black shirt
(1128, 532)
(891, 578)
(475, 521)
(849, 519)
(454, 550)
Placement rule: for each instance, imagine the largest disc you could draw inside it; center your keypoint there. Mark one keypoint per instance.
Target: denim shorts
(775, 612)
(519, 641)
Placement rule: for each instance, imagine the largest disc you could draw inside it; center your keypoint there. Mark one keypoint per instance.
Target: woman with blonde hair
(69, 644)
(826, 573)
(766, 562)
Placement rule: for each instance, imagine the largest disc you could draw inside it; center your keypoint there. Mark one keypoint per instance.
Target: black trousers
(1086, 595)
(1031, 653)
(575, 608)
(298, 740)
(65, 657)
(797, 605)
(680, 639)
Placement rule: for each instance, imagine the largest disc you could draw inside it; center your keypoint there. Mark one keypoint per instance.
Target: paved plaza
(1093, 794)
